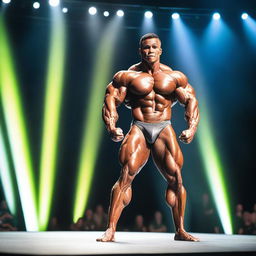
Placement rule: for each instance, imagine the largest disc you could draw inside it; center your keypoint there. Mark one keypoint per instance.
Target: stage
(84, 243)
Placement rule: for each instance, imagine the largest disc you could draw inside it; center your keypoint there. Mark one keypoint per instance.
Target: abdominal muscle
(151, 115)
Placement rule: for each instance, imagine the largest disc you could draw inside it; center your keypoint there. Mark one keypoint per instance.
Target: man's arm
(186, 96)
(115, 95)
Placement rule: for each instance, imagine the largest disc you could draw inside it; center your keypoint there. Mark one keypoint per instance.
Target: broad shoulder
(122, 78)
(180, 78)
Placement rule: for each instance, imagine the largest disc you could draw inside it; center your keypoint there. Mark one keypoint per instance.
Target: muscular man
(150, 88)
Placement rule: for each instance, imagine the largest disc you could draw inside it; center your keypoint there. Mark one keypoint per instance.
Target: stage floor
(84, 243)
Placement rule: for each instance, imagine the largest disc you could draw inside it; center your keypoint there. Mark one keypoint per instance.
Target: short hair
(147, 36)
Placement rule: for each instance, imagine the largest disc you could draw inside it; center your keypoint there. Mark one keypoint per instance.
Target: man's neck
(150, 68)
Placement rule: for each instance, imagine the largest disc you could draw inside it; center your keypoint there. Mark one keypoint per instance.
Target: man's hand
(117, 134)
(187, 136)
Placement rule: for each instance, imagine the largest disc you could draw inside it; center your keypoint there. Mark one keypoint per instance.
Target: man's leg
(133, 155)
(169, 160)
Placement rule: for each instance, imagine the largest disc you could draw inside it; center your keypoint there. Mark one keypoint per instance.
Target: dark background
(230, 88)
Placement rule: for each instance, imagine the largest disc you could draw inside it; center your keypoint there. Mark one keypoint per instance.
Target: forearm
(192, 114)
(109, 113)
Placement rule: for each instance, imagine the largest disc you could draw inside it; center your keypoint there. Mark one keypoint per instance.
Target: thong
(151, 130)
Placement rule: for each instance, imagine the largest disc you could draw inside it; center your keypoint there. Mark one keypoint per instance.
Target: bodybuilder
(150, 88)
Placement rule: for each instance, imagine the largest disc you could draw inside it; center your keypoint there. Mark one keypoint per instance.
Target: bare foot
(108, 236)
(184, 236)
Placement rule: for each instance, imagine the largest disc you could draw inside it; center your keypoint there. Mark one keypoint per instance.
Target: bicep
(114, 93)
(184, 94)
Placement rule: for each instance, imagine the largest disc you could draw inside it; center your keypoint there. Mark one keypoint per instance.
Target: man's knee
(128, 173)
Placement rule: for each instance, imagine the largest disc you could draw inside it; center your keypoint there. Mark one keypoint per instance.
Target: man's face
(150, 50)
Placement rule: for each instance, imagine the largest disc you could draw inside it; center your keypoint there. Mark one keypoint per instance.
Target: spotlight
(92, 10)
(64, 10)
(148, 14)
(106, 13)
(175, 16)
(216, 16)
(54, 2)
(6, 1)
(120, 13)
(244, 16)
(36, 5)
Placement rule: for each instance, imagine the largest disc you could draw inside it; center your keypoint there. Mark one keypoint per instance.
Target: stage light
(52, 108)
(106, 13)
(175, 16)
(218, 37)
(64, 10)
(249, 26)
(185, 46)
(6, 1)
(92, 10)
(17, 131)
(244, 16)
(216, 16)
(54, 3)
(36, 5)
(148, 14)
(6, 176)
(93, 124)
(148, 25)
(120, 13)
(214, 170)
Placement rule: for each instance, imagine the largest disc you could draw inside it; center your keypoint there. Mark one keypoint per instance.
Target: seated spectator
(139, 224)
(254, 222)
(239, 218)
(209, 219)
(157, 225)
(78, 226)
(6, 219)
(89, 223)
(247, 228)
(100, 218)
(54, 224)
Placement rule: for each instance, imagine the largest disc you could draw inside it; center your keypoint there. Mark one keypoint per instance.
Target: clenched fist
(117, 134)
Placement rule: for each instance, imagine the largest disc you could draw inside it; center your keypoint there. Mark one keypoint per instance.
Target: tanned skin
(149, 88)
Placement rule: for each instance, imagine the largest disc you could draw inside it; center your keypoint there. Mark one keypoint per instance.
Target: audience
(244, 221)
(157, 225)
(6, 218)
(54, 224)
(238, 220)
(139, 224)
(100, 218)
(78, 226)
(89, 223)
(209, 218)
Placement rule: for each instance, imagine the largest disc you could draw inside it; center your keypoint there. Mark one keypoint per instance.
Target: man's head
(148, 36)
(139, 220)
(150, 48)
(158, 217)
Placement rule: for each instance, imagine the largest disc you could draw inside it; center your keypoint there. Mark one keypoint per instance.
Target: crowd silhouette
(244, 222)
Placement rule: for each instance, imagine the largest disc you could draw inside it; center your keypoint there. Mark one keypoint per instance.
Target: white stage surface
(84, 243)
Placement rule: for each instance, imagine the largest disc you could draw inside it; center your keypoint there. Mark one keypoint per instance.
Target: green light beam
(53, 96)
(214, 170)
(208, 149)
(93, 121)
(17, 132)
(5, 175)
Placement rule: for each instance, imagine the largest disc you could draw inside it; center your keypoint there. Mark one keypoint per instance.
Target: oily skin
(149, 88)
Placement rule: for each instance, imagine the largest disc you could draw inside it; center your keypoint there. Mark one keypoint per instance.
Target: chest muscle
(145, 84)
